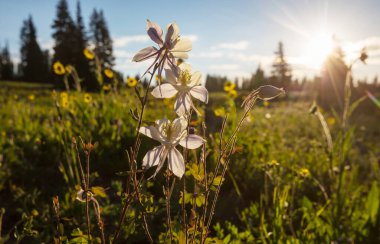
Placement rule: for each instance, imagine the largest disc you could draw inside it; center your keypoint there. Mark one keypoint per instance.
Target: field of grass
(283, 184)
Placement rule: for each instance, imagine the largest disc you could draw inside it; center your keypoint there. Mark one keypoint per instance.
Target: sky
(230, 38)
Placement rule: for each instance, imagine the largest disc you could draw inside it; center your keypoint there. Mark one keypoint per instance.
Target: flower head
(58, 68)
(304, 172)
(169, 49)
(109, 73)
(31, 97)
(228, 86)
(264, 93)
(131, 82)
(169, 134)
(88, 54)
(87, 98)
(106, 87)
(185, 86)
(232, 94)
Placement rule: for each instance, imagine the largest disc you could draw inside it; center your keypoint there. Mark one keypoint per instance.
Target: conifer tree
(6, 64)
(281, 69)
(64, 35)
(34, 62)
(101, 39)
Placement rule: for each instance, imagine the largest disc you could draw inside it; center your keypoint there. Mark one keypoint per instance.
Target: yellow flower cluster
(108, 72)
(229, 87)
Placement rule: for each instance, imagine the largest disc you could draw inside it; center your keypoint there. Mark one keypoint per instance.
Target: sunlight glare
(317, 49)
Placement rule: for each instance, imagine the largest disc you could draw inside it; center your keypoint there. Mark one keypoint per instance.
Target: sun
(319, 46)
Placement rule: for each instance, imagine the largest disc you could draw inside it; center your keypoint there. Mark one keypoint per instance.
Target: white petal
(155, 32)
(170, 77)
(146, 53)
(152, 132)
(176, 163)
(80, 195)
(185, 67)
(164, 91)
(172, 34)
(195, 79)
(182, 45)
(178, 129)
(182, 55)
(200, 93)
(182, 104)
(154, 157)
(192, 141)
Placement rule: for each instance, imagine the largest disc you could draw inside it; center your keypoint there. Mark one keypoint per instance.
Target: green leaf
(99, 191)
(373, 202)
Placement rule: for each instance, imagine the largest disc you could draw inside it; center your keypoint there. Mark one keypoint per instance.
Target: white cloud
(123, 41)
(240, 45)
(224, 67)
(211, 54)
(192, 38)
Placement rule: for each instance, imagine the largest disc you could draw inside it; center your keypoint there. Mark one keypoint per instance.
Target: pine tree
(64, 35)
(281, 69)
(34, 62)
(101, 39)
(6, 64)
(81, 63)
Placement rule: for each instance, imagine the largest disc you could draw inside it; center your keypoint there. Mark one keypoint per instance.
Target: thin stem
(167, 193)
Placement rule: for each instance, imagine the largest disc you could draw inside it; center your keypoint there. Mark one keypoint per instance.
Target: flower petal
(152, 132)
(155, 32)
(182, 55)
(170, 77)
(164, 91)
(172, 34)
(146, 53)
(176, 163)
(192, 141)
(182, 104)
(195, 79)
(178, 129)
(154, 157)
(182, 45)
(200, 93)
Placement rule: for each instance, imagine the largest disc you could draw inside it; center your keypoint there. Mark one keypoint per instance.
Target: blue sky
(229, 37)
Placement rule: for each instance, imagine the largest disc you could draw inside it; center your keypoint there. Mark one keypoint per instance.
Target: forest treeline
(71, 37)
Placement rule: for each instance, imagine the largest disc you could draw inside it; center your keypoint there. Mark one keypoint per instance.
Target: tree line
(70, 38)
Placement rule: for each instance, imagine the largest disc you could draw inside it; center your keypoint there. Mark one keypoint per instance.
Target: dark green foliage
(101, 39)
(34, 62)
(6, 64)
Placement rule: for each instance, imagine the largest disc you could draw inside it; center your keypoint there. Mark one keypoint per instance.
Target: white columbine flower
(187, 85)
(169, 134)
(172, 47)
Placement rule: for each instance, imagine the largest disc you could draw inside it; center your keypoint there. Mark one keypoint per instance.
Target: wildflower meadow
(174, 155)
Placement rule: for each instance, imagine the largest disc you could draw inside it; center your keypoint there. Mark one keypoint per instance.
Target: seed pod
(269, 92)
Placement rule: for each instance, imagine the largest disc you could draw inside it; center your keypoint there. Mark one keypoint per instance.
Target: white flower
(187, 85)
(81, 195)
(169, 134)
(169, 49)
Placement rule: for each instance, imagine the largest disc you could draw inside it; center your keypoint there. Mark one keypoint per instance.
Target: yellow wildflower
(87, 98)
(219, 112)
(131, 81)
(232, 94)
(304, 172)
(15, 97)
(228, 86)
(331, 121)
(273, 163)
(109, 73)
(31, 97)
(266, 103)
(64, 95)
(3, 133)
(58, 67)
(88, 54)
(65, 103)
(106, 87)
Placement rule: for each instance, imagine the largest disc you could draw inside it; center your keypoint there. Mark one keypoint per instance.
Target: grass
(265, 196)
